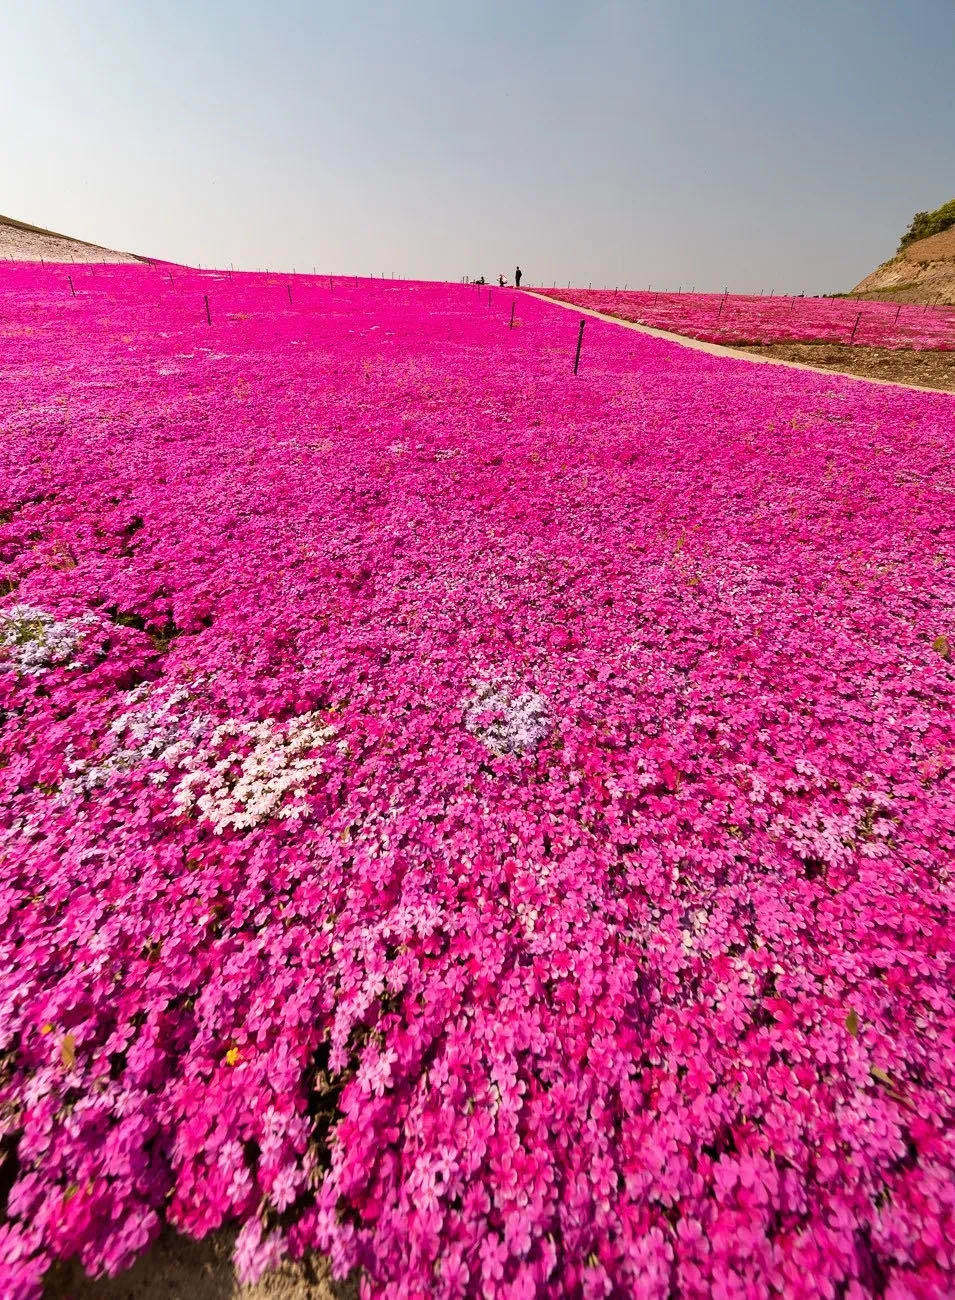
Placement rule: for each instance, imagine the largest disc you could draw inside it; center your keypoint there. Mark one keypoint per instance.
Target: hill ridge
(21, 241)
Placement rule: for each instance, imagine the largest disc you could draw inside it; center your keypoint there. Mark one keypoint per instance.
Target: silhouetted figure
(500, 280)
(517, 277)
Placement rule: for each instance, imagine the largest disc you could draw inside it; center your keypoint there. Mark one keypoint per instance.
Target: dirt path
(947, 377)
(178, 1267)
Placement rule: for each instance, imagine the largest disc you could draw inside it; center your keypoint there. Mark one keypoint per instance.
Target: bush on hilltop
(924, 224)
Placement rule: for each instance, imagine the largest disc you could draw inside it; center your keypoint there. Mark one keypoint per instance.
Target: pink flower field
(745, 318)
(490, 826)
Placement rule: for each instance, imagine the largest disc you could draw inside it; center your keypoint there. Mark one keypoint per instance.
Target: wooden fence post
(580, 339)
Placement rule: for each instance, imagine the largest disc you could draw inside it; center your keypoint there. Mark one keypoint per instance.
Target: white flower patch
(151, 732)
(37, 641)
(527, 916)
(506, 723)
(248, 772)
(235, 774)
(157, 728)
(694, 936)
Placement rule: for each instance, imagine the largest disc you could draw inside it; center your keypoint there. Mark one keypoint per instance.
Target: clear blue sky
(756, 143)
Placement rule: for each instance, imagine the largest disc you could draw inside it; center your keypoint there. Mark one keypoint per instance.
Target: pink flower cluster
(743, 318)
(491, 826)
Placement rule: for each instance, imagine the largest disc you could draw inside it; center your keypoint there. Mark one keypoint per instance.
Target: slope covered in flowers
(490, 826)
(744, 318)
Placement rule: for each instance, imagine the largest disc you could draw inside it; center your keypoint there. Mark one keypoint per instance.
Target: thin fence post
(288, 290)
(72, 290)
(580, 339)
(208, 313)
(854, 328)
(511, 322)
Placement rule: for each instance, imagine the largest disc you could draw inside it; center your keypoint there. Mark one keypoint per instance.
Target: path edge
(723, 350)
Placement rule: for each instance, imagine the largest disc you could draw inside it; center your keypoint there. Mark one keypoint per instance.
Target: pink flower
(494, 1255)
(493, 822)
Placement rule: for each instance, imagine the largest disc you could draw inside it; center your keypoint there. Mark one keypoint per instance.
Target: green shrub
(929, 223)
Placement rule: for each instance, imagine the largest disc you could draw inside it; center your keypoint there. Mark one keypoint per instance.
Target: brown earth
(922, 272)
(21, 242)
(898, 365)
(177, 1267)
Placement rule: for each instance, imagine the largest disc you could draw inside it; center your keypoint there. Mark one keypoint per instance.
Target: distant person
(500, 280)
(517, 277)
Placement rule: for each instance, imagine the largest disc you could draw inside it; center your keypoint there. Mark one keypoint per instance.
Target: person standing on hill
(517, 277)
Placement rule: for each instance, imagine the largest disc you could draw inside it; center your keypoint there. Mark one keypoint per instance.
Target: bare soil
(897, 365)
(21, 242)
(932, 248)
(922, 272)
(177, 1267)
(940, 294)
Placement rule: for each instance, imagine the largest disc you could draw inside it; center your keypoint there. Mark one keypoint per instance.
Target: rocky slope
(923, 272)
